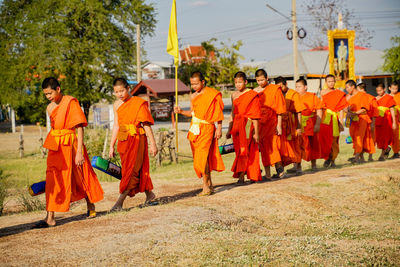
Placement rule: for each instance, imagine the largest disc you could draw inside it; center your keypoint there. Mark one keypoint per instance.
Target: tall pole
(295, 52)
(138, 62)
(176, 114)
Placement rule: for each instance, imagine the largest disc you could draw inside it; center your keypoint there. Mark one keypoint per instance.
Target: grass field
(344, 216)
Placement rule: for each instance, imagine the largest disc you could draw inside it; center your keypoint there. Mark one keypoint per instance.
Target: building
(314, 66)
(195, 54)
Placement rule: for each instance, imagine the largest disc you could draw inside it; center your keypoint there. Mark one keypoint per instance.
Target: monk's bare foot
(150, 196)
(240, 182)
(117, 207)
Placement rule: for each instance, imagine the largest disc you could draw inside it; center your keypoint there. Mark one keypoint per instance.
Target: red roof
(160, 88)
(325, 48)
(195, 54)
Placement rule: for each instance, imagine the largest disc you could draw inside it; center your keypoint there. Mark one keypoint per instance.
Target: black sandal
(41, 224)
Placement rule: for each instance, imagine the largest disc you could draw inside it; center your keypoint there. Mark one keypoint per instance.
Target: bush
(3, 190)
(30, 203)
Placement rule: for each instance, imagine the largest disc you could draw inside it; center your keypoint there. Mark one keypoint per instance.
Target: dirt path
(335, 217)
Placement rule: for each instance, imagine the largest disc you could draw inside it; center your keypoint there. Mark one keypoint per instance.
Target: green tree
(83, 43)
(392, 58)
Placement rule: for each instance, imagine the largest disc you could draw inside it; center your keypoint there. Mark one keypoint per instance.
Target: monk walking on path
(206, 109)
(244, 131)
(132, 129)
(69, 175)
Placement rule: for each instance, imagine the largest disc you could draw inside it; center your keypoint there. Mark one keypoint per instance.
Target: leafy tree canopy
(392, 58)
(82, 43)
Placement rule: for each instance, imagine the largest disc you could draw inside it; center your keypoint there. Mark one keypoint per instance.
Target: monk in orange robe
(273, 105)
(69, 175)
(385, 122)
(372, 113)
(334, 101)
(394, 91)
(244, 131)
(291, 127)
(132, 127)
(206, 110)
(310, 122)
(358, 120)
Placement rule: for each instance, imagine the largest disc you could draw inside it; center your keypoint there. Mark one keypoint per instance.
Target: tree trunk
(86, 106)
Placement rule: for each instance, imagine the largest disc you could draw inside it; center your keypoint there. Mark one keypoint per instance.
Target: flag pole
(176, 103)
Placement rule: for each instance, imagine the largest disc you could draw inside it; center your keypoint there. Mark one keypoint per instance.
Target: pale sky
(262, 31)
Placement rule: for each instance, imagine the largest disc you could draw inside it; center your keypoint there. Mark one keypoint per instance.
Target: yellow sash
(304, 120)
(335, 124)
(195, 127)
(63, 136)
(128, 129)
(382, 110)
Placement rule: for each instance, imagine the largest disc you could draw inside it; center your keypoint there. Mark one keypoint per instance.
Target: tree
(324, 14)
(83, 43)
(392, 58)
(218, 70)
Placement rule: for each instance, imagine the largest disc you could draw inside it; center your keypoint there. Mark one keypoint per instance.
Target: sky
(262, 31)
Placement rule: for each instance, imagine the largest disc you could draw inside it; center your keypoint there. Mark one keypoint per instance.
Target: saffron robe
(132, 146)
(245, 108)
(65, 181)
(373, 112)
(272, 103)
(207, 109)
(334, 101)
(360, 124)
(311, 143)
(396, 133)
(383, 123)
(290, 150)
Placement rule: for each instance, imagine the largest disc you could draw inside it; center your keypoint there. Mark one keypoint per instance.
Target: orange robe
(383, 123)
(372, 113)
(360, 125)
(65, 181)
(396, 133)
(290, 150)
(132, 146)
(272, 103)
(245, 108)
(311, 144)
(207, 108)
(334, 101)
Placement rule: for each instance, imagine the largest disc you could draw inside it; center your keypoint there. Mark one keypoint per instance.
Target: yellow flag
(172, 44)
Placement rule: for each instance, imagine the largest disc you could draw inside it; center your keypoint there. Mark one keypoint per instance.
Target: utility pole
(138, 62)
(295, 51)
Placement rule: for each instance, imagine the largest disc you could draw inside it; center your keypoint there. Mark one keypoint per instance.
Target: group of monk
(284, 126)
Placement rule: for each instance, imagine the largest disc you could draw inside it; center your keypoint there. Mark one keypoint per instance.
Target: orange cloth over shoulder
(272, 103)
(290, 143)
(132, 114)
(383, 123)
(396, 133)
(207, 109)
(311, 143)
(334, 101)
(245, 108)
(360, 125)
(65, 181)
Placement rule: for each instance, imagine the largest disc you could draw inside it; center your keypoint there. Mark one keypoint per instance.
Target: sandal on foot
(150, 203)
(90, 214)
(203, 194)
(41, 224)
(112, 210)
